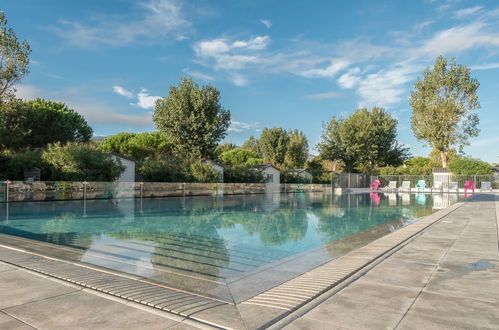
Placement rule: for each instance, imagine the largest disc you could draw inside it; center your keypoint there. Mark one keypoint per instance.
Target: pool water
(207, 244)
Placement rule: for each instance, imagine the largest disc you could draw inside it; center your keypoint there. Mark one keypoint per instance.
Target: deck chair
(469, 185)
(437, 186)
(453, 186)
(486, 186)
(421, 185)
(375, 185)
(406, 186)
(392, 185)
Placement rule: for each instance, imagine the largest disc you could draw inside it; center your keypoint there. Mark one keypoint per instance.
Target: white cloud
(93, 111)
(225, 55)
(27, 92)
(467, 11)
(350, 78)
(154, 20)
(386, 87)
(323, 96)
(122, 91)
(460, 38)
(485, 66)
(239, 127)
(198, 75)
(256, 43)
(330, 71)
(239, 80)
(146, 101)
(266, 22)
(485, 142)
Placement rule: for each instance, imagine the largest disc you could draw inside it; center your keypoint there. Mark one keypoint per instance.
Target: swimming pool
(230, 247)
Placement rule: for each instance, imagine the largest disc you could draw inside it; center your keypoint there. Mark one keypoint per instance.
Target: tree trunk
(444, 156)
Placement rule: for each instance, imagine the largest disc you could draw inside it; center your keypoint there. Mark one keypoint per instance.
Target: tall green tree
(363, 141)
(14, 59)
(297, 149)
(36, 123)
(192, 118)
(237, 156)
(273, 144)
(252, 145)
(443, 107)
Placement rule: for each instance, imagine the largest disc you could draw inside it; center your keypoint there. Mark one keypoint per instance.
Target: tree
(443, 107)
(237, 156)
(297, 149)
(14, 59)
(362, 141)
(79, 162)
(252, 145)
(273, 145)
(36, 123)
(469, 166)
(223, 147)
(136, 145)
(192, 118)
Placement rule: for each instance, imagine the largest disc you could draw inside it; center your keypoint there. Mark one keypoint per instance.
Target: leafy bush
(237, 156)
(80, 162)
(137, 146)
(161, 168)
(200, 172)
(242, 174)
(469, 166)
(13, 164)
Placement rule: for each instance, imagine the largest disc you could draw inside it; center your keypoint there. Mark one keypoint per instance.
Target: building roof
(298, 170)
(264, 166)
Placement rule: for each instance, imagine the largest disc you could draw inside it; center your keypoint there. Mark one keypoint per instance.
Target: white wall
(274, 173)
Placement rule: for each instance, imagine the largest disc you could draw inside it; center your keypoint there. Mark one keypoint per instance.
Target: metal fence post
(141, 188)
(7, 184)
(84, 190)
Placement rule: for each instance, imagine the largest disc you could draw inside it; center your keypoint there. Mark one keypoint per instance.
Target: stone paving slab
(80, 310)
(447, 278)
(8, 322)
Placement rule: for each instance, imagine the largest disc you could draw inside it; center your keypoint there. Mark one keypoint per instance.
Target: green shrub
(469, 166)
(237, 156)
(161, 168)
(201, 172)
(13, 164)
(80, 162)
(138, 146)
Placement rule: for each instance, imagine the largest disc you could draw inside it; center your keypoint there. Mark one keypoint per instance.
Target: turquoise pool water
(203, 243)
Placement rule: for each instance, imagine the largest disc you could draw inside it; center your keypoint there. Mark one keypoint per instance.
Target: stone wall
(63, 190)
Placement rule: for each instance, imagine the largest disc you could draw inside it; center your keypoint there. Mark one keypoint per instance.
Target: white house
(128, 174)
(271, 173)
(301, 173)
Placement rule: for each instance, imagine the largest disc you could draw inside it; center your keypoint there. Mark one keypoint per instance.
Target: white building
(125, 183)
(271, 174)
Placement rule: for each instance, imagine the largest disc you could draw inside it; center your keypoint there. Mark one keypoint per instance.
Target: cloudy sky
(293, 64)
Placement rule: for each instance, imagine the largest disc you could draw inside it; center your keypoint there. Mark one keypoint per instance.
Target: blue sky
(293, 64)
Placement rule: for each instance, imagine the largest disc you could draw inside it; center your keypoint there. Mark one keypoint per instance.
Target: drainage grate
(145, 293)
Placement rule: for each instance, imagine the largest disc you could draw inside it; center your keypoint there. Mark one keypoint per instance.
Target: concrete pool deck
(429, 281)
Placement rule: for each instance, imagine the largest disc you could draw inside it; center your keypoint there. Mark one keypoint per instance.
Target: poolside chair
(392, 186)
(406, 186)
(421, 185)
(453, 186)
(437, 186)
(486, 185)
(375, 185)
(469, 185)
(421, 199)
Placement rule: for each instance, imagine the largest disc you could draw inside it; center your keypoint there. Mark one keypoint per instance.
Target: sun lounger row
(469, 185)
